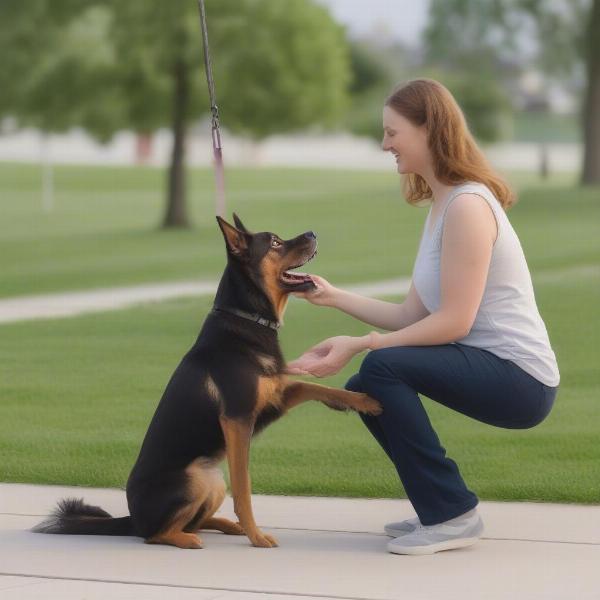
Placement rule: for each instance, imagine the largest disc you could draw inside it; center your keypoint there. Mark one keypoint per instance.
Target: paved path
(329, 548)
(68, 304)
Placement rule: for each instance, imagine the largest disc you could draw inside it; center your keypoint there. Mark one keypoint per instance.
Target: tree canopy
(108, 65)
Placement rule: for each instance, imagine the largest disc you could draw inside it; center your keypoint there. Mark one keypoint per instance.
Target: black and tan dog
(230, 385)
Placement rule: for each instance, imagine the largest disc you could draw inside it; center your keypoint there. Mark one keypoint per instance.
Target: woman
(468, 335)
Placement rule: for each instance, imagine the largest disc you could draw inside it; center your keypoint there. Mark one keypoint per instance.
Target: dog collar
(256, 318)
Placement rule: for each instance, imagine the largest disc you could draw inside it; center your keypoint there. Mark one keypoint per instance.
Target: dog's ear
(239, 224)
(236, 240)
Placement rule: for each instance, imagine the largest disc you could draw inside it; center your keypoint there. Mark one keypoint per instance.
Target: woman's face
(407, 142)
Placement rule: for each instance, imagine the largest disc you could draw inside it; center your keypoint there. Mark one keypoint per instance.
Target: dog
(228, 387)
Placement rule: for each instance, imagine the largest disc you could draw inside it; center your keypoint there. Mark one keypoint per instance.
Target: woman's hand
(328, 357)
(323, 295)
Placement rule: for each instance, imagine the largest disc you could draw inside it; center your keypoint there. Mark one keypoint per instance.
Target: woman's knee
(544, 409)
(385, 363)
(374, 363)
(354, 384)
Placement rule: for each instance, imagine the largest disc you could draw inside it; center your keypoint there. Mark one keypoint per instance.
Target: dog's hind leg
(212, 478)
(174, 534)
(204, 489)
(224, 525)
(209, 521)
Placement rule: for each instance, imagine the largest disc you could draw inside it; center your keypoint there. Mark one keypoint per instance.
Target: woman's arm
(385, 315)
(468, 238)
(469, 233)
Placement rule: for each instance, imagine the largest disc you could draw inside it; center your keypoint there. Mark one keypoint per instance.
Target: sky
(403, 20)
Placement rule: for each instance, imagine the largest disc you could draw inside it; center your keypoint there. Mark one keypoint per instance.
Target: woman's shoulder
(472, 207)
(470, 191)
(470, 187)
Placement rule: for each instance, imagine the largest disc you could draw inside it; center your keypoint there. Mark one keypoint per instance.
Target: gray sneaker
(402, 527)
(426, 539)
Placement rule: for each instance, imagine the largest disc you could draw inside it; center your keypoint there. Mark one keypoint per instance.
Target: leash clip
(215, 115)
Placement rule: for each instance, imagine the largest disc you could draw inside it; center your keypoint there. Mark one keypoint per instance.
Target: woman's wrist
(368, 341)
(374, 339)
(332, 299)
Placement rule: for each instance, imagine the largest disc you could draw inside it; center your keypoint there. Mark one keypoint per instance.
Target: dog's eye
(275, 243)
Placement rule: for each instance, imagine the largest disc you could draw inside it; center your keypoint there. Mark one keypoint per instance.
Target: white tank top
(508, 322)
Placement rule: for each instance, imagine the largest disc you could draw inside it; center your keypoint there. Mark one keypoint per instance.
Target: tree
(490, 34)
(375, 70)
(57, 71)
(591, 109)
(58, 66)
(278, 66)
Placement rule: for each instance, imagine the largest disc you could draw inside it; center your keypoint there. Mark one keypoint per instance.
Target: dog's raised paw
(370, 406)
(337, 405)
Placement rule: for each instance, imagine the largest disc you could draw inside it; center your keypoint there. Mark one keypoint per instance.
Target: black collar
(256, 318)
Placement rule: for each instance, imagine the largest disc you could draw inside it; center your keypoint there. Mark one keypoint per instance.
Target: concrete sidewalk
(329, 548)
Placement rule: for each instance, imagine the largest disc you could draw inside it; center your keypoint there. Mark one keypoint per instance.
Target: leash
(214, 109)
(219, 175)
(256, 318)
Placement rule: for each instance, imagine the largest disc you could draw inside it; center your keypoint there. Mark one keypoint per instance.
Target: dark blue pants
(469, 380)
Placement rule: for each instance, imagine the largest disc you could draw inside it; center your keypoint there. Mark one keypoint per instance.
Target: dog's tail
(73, 516)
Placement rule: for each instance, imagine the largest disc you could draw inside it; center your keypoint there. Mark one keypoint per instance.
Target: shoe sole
(432, 548)
(396, 532)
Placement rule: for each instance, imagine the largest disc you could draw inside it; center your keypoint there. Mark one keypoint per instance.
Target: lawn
(104, 229)
(76, 394)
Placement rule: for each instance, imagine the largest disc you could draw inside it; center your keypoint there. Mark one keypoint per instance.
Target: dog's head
(269, 260)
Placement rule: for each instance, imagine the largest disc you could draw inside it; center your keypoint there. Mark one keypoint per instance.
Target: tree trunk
(176, 213)
(544, 167)
(591, 111)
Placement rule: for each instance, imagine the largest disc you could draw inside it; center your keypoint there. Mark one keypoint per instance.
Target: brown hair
(456, 157)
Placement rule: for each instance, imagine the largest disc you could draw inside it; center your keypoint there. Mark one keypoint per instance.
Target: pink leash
(216, 134)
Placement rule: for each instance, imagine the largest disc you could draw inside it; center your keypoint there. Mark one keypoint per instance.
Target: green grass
(546, 127)
(76, 395)
(104, 229)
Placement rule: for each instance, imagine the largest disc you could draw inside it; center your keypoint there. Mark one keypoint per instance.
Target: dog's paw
(337, 405)
(264, 540)
(181, 539)
(236, 529)
(230, 528)
(369, 406)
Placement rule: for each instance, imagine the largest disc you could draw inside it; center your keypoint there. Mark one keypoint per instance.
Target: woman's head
(426, 130)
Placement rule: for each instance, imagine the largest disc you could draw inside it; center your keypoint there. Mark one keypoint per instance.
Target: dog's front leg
(297, 392)
(238, 434)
